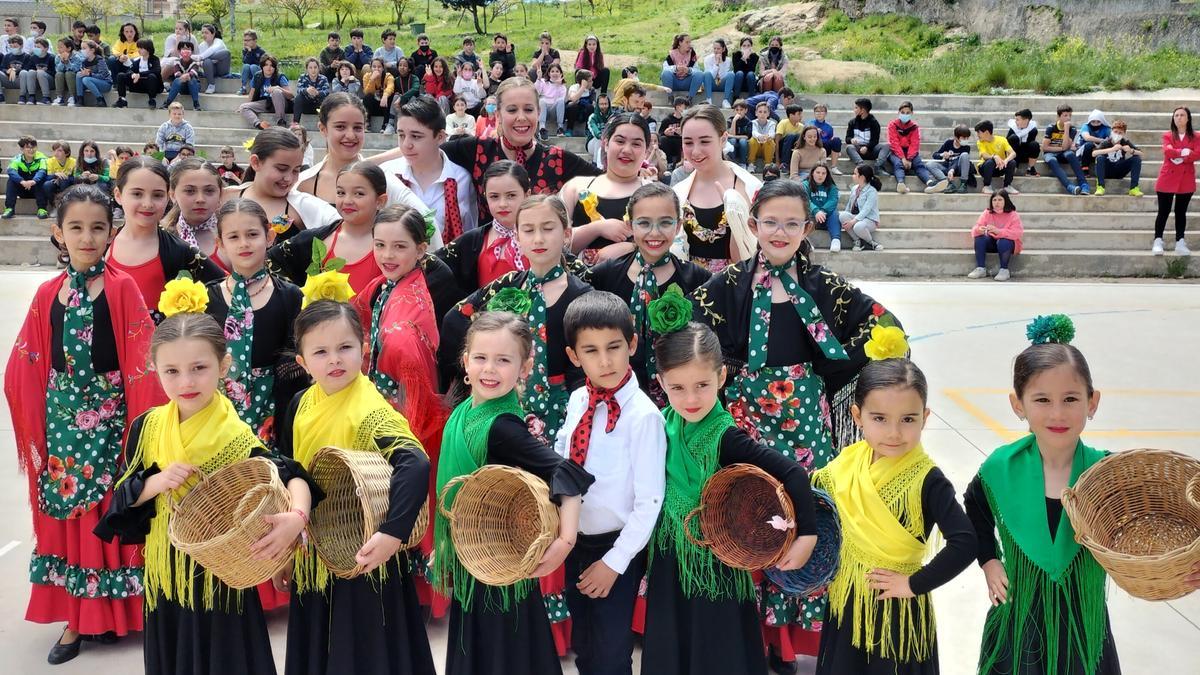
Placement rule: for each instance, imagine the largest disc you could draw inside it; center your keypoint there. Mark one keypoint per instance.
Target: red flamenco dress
(69, 423)
(403, 330)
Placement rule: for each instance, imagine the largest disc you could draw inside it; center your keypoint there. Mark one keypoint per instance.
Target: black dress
(697, 636)
(360, 625)
(290, 258)
(613, 276)
(607, 207)
(979, 510)
(456, 322)
(231, 638)
(838, 655)
(273, 345)
(486, 641)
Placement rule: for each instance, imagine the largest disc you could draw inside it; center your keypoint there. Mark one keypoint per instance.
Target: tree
(398, 7)
(95, 10)
(472, 6)
(137, 9)
(342, 9)
(217, 9)
(299, 8)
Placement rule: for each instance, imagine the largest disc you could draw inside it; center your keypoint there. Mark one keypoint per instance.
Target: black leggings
(1164, 208)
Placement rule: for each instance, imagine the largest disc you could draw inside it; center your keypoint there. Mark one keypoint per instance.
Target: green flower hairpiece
(670, 312)
(512, 300)
(430, 224)
(1055, 328)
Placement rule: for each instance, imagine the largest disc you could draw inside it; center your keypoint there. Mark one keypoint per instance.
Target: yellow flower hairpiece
(248, 143)
(327, 286)
(887, 342)
(183, 295)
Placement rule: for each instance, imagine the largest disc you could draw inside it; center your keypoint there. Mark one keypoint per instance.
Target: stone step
(1037, 263)
(27, 250)
(1112, 203)
(1043, 184)
(911, 237)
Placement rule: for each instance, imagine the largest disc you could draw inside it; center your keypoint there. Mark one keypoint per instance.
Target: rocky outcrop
(1137, 23)
(798, 17)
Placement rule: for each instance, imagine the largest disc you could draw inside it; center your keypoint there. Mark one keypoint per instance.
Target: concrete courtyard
(1140, 339)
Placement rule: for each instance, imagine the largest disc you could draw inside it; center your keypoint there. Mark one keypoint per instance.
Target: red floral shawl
(28, 374)
(408, 353)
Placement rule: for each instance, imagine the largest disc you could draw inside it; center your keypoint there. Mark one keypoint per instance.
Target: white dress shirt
(630, 469)
(435, 195)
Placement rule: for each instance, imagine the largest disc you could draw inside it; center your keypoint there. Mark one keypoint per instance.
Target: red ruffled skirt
(104, 578)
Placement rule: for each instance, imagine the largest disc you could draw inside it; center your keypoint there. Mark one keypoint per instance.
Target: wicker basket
(1131, 512)
(736, 511)
(502, 521)
(222, 516)
(1193, 491)
(357, 489)
(823, 564)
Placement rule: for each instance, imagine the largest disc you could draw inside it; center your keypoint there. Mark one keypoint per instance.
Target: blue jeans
(193, 87)
(833, 223)
(985, 245)
(1117, 169)
(741, 150)
(52, 186)
(248, 72)
(726, 85)
(690, 84)
(918, 166)
(746, 82)
(785, 150)
(1054, 161)
(97, 86)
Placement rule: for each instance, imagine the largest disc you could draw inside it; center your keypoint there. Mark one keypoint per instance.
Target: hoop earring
(467, 380)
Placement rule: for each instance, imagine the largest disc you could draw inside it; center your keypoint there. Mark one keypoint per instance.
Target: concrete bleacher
(924, 235)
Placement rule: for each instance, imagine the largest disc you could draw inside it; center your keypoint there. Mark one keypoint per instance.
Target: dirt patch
(812, 72)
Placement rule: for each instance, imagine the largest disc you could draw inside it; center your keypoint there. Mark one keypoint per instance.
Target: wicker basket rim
(232, 532)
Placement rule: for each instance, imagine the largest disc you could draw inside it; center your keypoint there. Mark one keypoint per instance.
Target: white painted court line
(8, 547)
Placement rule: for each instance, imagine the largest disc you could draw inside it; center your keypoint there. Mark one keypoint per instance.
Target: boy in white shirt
(443, 185)
(618, 435)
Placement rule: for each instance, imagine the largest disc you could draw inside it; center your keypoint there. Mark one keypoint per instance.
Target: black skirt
(838, 655)
(696, 636)
(360, 626)
(230, 639)
(1029, 658)
(489, 642)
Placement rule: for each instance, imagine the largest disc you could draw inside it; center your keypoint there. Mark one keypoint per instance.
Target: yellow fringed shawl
(873, 499)
(213, 438)
(355, 418)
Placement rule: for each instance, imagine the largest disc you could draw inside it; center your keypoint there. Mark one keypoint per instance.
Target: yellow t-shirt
(786, 127)
(53, 167)
(127, 48)
(998, 147)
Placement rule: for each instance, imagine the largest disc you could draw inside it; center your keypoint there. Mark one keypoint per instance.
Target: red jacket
(1178, 178)
(904, 139)
(435, 87)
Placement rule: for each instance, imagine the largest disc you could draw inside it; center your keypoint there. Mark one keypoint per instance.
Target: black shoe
(779, 665)
(109, 638)
(542, 134)
(101, 103)
(165, 106)
(153, 104)
(61, 653)
(1031, 172)
(121, 103)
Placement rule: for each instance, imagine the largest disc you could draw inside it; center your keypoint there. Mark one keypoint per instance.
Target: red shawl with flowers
(27, 376)
(409, 342)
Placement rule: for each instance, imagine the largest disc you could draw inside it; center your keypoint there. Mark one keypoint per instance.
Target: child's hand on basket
(555, 555)
(797, 556)
(997, 582)
(285, 528)
(893, 584)
(170, 478)
(379, 549)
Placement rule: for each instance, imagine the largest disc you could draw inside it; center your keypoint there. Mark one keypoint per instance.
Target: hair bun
(1055, 328)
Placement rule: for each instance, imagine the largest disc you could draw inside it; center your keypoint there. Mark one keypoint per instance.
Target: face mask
(89, 160)
(185, 53)
(38, 51)
(1116, 138)
(905, 118)
(491, 107)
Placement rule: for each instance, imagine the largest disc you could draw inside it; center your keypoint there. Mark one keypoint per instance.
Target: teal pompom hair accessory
(1055, 328)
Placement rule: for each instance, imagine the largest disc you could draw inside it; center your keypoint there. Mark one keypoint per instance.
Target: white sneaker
(933, 187)
(1003, 275)
(838, 172)
(987, 189)
(71, 102)
(57, 101)
(1181, 248)
(1157, 247)
(901, 188)
(835, 245)
(725, 104)
(388, 130)
(1012, 191)
(978, 273)
(212, 89)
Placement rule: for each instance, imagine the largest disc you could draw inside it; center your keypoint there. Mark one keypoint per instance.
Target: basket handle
(687, 528)
(441, 504)
(172, 503)
(528, 561)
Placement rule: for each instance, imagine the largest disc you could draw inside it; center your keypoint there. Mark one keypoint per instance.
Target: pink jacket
(904, 139)
(1178, 178)
(1007, 225)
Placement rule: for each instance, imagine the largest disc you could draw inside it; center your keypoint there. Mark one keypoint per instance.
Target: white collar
(403, 167)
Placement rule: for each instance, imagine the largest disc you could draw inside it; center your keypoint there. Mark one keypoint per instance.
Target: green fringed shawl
(1057, 574)
(464, 449)
(693, 451)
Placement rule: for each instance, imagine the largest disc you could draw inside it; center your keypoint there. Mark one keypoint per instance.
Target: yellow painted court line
(958, 396)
